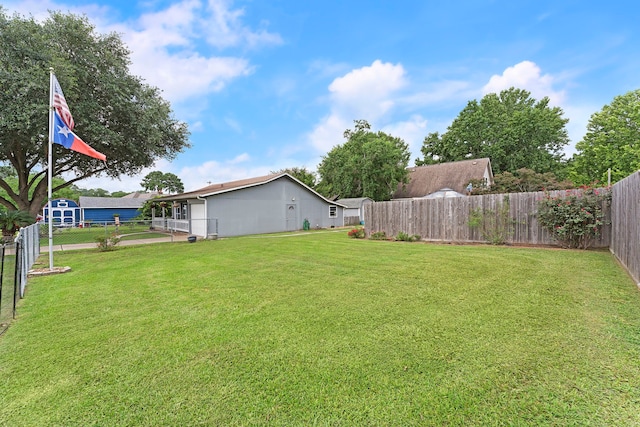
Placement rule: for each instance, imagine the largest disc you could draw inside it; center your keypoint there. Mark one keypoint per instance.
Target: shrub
(404, 237)
(356, 233)
(108, 243)
(378, 235)
(11, 221)
(575, 220)
(496, 227)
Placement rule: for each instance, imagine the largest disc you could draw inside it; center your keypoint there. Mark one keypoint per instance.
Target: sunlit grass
(74, 235)
(320, 329)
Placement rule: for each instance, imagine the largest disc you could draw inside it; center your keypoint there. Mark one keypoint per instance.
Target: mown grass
(74, 235)
(321, 329)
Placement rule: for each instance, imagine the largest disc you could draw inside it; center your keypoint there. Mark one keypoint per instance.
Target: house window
(62, 204)
(180, 210)
(333, 211)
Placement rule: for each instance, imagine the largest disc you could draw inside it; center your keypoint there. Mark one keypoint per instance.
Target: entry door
(198, 220)
(292, 218)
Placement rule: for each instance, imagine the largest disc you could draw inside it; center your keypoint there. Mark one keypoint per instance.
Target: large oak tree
(369, 164)
(115, 112)
(511, 128)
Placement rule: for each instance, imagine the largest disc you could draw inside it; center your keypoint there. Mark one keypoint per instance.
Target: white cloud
(125, 183)
(412, 131)
(364, 93)
(369, 88)
(214, 172)
(165, 44)
(526, 75)
(442, 92)
(328, 133)
(163, 47)
(225, 28)
(242, 158)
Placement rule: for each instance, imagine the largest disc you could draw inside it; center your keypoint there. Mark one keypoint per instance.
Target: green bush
(575, 220)
(108, 243)
(404, 237)
(378, 235)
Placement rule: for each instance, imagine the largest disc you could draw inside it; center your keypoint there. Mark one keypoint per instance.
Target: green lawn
(73, 235)
(320, 329)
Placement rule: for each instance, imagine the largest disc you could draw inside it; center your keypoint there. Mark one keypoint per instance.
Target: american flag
(60, 104)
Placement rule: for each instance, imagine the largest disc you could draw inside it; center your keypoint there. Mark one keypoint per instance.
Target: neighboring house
(65, 212)
(445, 193)
(144, 196)
(354, 209)
(104, 209)
(265, 204)
(444, 178)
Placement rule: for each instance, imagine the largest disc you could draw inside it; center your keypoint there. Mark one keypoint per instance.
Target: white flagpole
(50, 172)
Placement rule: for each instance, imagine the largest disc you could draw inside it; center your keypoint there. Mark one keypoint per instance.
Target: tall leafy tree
(160, 181)
(153, 181)
(369, 164)
(302, 174)
(172, 183)
(115, 112)
(612, 141)
(511, 128)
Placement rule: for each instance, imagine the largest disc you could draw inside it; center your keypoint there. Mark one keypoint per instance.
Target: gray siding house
(354, 211)
(267, 204)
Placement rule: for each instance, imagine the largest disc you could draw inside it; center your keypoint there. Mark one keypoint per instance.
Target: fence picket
(448, 219)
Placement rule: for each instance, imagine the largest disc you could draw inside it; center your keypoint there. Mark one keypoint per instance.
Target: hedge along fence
(448, 220)
(625, 221)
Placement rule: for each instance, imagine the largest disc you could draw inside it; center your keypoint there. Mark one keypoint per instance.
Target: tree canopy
(511, 128)
(522, 181)
(369, 164)
(115, 112)
(160, 181)
(612, 141)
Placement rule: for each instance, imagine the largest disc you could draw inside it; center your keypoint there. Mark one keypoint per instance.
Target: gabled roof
(424, 180)
(212, 190)
(354, 202)
(110, 202)
(140, 195)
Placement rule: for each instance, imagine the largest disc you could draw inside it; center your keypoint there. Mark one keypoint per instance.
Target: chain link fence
(89, 233)
(16, 258)
(8, 285)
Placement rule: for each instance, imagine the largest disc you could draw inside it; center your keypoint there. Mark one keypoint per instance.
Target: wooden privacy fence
(625, 221)
(447, 220)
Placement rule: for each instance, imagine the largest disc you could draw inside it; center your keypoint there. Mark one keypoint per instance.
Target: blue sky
(265, 85)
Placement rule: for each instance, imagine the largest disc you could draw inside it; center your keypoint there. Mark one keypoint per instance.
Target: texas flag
(64, 136)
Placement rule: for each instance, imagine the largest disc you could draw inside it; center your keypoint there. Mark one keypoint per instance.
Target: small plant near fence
(404, 237)
(575, 220)
(496, 227)
(108, 243)
(378, 235)
(356, 233)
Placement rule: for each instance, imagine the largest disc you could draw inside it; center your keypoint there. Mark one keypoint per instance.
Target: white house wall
(280, 205)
